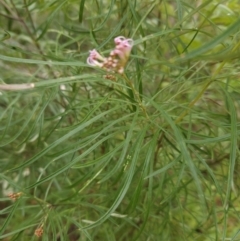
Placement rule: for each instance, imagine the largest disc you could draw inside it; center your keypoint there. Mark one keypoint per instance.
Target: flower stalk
(116, 63)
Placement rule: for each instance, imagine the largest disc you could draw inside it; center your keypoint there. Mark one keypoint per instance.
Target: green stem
(136, 94)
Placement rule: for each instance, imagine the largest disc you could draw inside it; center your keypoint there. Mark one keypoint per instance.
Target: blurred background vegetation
(84, 157)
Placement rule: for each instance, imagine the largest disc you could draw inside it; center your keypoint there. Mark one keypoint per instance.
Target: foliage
(151, 154)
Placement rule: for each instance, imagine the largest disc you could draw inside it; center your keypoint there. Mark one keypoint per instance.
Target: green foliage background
(150, 156)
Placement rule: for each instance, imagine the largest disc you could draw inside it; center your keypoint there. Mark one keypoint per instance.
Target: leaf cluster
(148, 155)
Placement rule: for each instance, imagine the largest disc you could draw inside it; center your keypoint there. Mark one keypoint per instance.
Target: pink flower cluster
(117, 58)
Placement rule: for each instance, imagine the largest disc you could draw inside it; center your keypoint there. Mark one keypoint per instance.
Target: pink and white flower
(94, 58)
(117, 59)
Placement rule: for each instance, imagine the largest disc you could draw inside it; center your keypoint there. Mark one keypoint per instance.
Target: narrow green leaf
(212, 44)
(48, 62)
(81, 9)
(163, 169)
(233, 149)
(9, 217)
